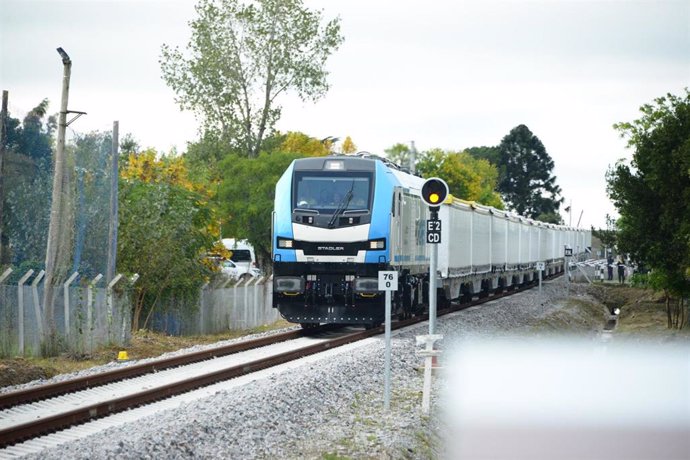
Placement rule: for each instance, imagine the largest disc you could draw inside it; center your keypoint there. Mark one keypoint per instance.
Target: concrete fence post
(5, 274)
(257, 291)
(37, 303)
(20, 314)
(109, 305)
(202, 307)
(65, 293)
(89, 310)
(125, 318)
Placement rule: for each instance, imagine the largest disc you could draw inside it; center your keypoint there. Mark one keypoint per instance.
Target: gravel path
(333, 408)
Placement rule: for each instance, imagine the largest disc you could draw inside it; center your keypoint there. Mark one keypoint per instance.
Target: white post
(65, 292)
(20, 314)
(387, 360)
(109, 303)
(89, 309)
(245, 304)
(132, 280)
(388, 281)
(428, 353)
(5, 274)
(37, 305)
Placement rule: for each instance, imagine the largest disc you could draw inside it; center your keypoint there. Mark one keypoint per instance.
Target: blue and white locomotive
(340, 219)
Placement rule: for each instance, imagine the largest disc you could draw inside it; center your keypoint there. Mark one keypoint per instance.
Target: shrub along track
(13, 434)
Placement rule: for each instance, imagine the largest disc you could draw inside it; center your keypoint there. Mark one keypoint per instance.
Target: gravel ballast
(333, 408)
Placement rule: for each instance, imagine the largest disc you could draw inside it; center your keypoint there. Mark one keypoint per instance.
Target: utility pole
(413, 157)
(58, 231)
(113, 221)
(3, 142)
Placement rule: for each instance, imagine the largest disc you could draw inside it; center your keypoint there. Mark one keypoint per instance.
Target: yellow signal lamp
(434, 191)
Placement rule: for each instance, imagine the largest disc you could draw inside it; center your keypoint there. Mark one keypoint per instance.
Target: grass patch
(144, 344)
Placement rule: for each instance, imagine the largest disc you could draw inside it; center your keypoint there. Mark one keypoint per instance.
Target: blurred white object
(575, 400)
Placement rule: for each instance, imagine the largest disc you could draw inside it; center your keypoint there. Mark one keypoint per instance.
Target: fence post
(5, 274)
(65, 292)
(37, 305)
(20, 318)
(257, 314)
(109, 304)
(132, 280)
(89, 309)
(202, 307)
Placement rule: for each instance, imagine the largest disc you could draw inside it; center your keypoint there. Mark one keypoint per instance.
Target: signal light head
(434, 191)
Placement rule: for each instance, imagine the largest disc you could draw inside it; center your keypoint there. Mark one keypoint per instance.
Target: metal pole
(387, 373)
(413, 158)
(432, 281)
(567, 276)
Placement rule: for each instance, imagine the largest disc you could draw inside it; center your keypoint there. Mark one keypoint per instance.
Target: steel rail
(50, 390)
(18, 433)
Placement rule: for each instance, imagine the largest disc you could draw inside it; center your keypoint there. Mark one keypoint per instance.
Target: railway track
(37, 411)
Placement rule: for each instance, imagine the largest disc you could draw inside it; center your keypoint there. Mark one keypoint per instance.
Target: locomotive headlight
(284, 243)
(377, 244)
(288, 284)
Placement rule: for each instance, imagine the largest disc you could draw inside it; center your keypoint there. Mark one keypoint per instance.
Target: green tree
(242, 57)
(246, 198)
(525, 181)
(348, 146)
(399, 154)
(468, 178)
(491, 154)
(164, 231)
(27, 185)
(609, 235)
(300, 143)
(652, 195)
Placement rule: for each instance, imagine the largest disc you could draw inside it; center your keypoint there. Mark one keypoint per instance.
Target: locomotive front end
(330, 239)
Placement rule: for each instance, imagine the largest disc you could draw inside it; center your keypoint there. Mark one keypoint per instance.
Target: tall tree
(399, 154)
(491, 154)
(242, 57)
(246, 196)
(300, 143)
(165, 228)
(525, 175)
(348, 146)
(468, 178)
(652, 195)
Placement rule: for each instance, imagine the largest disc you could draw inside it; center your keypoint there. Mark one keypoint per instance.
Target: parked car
(242, 255)
(231, 270)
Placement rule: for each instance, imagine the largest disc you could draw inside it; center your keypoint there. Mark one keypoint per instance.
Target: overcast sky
(445, 73)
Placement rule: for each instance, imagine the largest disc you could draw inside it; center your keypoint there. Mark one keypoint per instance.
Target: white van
(242, 254)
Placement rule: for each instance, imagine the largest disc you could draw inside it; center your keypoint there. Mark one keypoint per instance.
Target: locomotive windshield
(327, 192)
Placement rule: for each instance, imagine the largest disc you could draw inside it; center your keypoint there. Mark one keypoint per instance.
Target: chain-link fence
(26, 192)
(85, 317)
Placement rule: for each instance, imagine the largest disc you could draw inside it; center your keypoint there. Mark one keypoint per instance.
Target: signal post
(434, 192)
